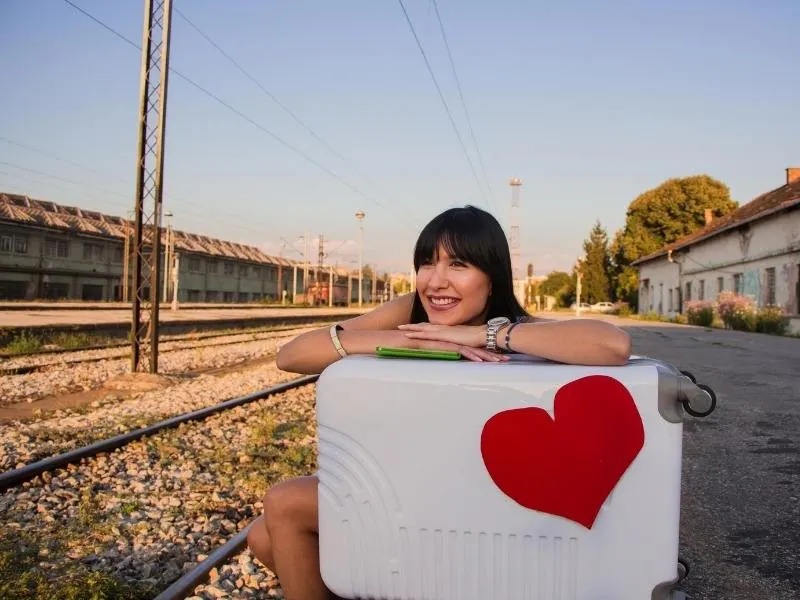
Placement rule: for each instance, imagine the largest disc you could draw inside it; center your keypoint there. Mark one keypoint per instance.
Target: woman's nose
(438, 277)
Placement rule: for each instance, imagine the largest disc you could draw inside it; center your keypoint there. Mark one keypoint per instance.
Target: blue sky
(589, 103)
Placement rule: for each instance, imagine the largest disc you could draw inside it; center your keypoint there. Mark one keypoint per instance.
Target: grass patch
(23, 578)
(23, 344)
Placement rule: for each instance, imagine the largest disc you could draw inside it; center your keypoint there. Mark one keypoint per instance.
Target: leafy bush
(622, 309)
(771, 319)
(700, 312)
(737, 312)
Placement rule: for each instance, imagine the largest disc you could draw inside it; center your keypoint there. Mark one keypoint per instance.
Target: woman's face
(453, 292)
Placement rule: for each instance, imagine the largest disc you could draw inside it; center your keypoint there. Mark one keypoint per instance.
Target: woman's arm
(578, 341)
(311, 352)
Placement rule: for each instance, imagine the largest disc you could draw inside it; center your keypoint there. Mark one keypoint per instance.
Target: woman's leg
(291, 515)
(260, 544)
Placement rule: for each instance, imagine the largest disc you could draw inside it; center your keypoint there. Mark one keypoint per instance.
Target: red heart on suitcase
(569, 464)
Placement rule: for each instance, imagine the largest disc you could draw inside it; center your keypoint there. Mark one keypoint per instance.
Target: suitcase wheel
(683, 569)
(709, 404)
(689, 375)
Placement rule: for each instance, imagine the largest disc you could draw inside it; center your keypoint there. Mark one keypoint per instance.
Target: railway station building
(56, 252)
(753, 251)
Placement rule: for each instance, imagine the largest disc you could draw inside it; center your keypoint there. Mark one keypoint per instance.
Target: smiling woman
(465, 302)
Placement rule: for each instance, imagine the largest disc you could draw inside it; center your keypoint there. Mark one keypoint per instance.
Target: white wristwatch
(492, 327)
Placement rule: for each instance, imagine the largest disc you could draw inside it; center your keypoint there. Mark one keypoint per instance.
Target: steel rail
(16, 476)
(189, 337)
(183, 587)
(26, 369)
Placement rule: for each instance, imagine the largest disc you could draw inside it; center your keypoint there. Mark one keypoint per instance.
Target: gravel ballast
(62, 377)
(138, 518)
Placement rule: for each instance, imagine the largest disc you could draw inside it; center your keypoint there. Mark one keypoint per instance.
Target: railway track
(155, 510)
(243, 337)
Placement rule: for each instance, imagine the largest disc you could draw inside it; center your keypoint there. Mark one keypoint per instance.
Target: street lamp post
(360, 217)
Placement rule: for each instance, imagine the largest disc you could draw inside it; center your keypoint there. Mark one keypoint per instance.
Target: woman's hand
(473, 336)
(468, 352)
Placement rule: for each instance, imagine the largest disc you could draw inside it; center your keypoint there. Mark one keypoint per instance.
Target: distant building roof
(779, 199)
(40, 213)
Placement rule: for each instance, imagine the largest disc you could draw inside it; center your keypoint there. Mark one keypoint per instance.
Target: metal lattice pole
(149, 180)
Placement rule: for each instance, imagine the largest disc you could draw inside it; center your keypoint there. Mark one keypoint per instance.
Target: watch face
(498, 321)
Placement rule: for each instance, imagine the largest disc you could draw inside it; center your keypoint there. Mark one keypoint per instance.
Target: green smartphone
(417, 353)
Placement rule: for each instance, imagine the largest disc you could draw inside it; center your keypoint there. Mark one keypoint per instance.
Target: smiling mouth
(443, 302)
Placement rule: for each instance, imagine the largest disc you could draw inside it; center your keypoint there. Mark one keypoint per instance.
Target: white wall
(745, 255)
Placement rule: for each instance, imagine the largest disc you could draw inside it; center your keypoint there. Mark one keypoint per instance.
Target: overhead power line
(272, 97)
(461, 95)
(243, 116)
(444, 102)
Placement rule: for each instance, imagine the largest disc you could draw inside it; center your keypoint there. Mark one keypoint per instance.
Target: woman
(464, 301)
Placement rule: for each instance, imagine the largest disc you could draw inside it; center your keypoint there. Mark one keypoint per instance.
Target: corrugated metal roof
(781, 198)
(42, 213)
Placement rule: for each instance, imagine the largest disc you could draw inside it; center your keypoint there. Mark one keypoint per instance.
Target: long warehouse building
(51, 251)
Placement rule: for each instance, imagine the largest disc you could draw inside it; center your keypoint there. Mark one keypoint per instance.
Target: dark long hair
(474, 236)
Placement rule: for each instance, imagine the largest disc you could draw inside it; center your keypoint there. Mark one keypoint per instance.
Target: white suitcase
(485, 481)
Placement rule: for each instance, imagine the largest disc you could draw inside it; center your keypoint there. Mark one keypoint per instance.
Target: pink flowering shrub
(737, 312)
(700, 312)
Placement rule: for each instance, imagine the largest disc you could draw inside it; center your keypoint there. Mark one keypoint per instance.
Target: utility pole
(149, 185)
(330, 285)
(306, 252)
(579, 276)
(360, 217)
(374, 283)
(168, 258)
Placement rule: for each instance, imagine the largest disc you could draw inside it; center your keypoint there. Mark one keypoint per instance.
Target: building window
(243, 270)
(702, 291)
(117, 258)
(257, 272)
(193, 295)
(6, 243)
(228, 296)
(771, 286)
(211, 267)
(242, 296)
(212, 296)
(737, 283)
(56, 248)
(228, 268)
(670, 301)
(92, 252)
(688, 291)
(55, 291)
(195, 265)
(21, 244)
(92, 292)
(720, 285)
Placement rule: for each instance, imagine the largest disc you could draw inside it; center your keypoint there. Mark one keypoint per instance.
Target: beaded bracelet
(508, 338)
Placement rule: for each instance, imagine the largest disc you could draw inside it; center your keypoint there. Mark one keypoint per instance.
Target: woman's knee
(259, 543)
(292, 502)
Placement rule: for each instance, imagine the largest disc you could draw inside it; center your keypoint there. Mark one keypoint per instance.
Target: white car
(602, 307)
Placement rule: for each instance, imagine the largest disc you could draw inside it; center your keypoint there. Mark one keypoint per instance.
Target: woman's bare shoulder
(386, 316)
(533, 319)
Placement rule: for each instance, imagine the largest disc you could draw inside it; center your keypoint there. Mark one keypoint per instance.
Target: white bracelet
(335, 339)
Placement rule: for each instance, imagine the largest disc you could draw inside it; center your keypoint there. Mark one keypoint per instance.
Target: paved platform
(34, 318)
(112, 323)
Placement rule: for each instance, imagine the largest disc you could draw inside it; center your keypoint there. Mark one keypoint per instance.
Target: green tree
(596, 267)
(660, 216)
(559, 285)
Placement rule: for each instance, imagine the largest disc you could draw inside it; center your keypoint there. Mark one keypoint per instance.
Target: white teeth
(442, 301)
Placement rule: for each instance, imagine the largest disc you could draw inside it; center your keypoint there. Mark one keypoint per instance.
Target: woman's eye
(458, 263)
